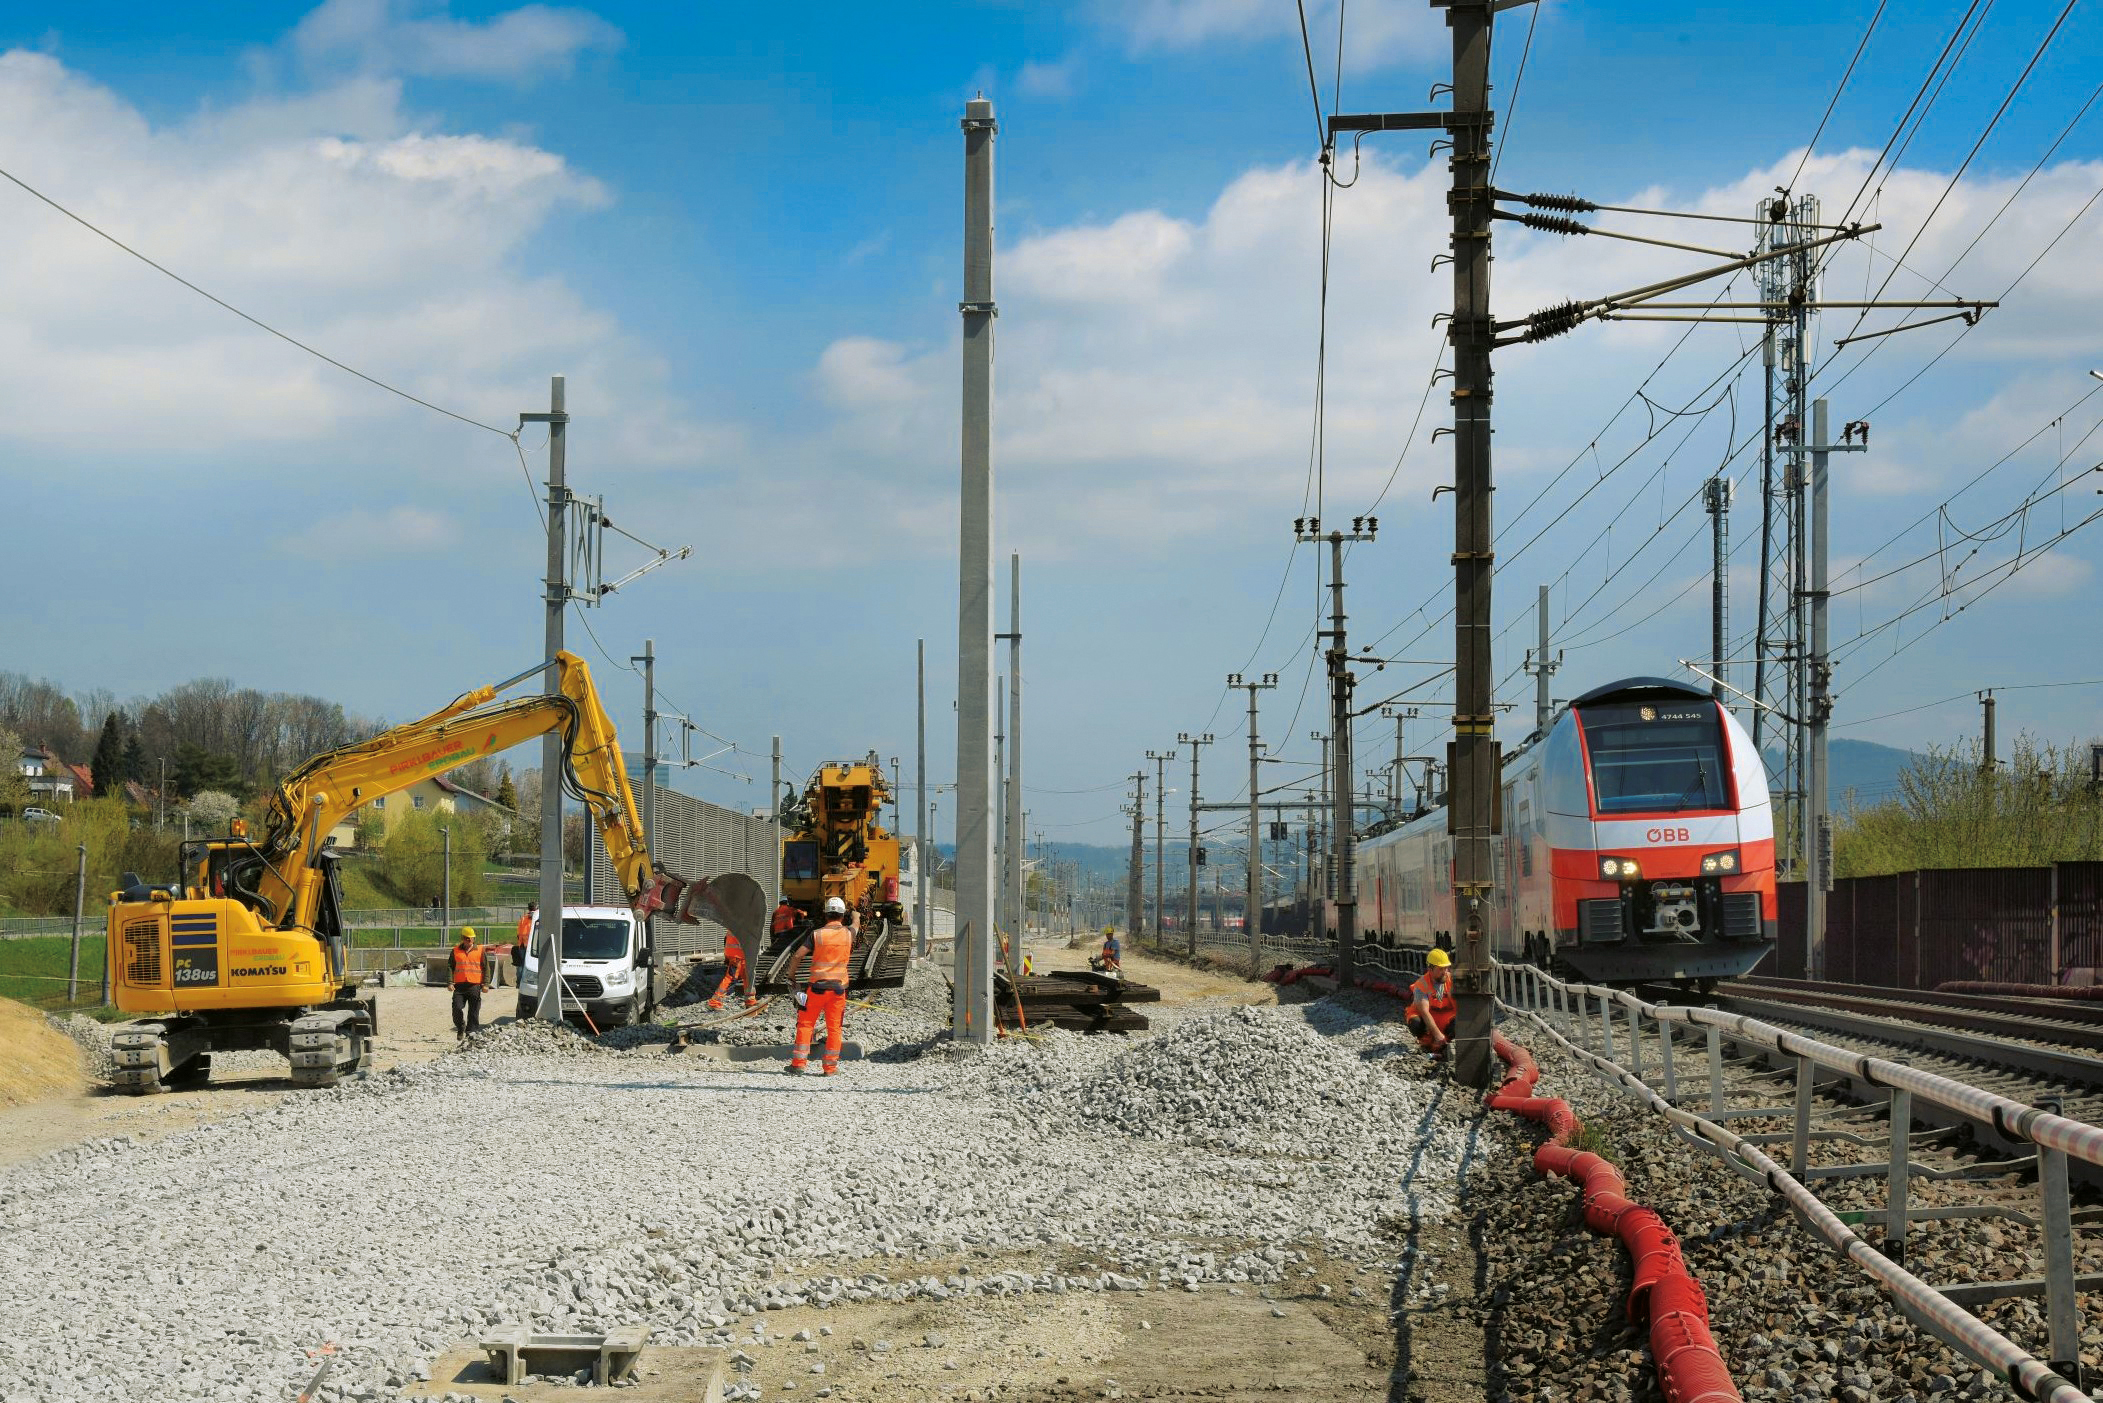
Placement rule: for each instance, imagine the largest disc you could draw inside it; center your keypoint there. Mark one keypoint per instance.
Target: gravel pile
(632, 1187)
(94, 1041)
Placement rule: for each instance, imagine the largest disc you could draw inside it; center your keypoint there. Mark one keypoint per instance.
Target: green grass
(33, 969)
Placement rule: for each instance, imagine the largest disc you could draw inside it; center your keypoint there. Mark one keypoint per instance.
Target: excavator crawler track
(328, 1045)
(152, 1056)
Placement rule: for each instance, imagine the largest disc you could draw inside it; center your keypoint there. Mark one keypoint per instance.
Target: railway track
(2000, 1048)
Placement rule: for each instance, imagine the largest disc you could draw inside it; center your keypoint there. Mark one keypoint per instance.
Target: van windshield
(594, 938)
(1655, 757)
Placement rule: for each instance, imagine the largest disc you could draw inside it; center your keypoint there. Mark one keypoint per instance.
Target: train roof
(1630, 688)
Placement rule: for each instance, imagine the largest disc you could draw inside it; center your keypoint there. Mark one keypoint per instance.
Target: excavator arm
(287, 884)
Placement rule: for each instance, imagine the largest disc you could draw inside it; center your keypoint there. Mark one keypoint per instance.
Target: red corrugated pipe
(2019, 991)
(1286, 974)
(1690, 1367)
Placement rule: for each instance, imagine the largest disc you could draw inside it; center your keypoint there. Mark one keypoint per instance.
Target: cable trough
(1609, 1029)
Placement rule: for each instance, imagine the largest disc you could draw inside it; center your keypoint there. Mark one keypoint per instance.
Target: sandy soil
(40, 1061)
(415, 1026)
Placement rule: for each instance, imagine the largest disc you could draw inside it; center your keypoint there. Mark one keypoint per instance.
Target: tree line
(2039, 807)
(209, 734)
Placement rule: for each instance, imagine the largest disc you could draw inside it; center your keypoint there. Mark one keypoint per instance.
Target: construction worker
(525, 934)
(467, 984)
(785, 918)
(1113, 953)
(733, 969)
(1431, 1006)
(831, 946)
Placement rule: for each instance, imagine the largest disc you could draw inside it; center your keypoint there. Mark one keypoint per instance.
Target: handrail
(2012, 1118)
(2028, 1375)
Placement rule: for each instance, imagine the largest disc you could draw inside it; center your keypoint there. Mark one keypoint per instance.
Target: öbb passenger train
(1637, 847)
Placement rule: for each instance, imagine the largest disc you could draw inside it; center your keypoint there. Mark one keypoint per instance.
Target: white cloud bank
(423, 41)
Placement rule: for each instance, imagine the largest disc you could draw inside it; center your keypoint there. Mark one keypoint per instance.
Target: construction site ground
(1328, 1322)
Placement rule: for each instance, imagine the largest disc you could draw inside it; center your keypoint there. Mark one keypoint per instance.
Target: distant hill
(1870, 770)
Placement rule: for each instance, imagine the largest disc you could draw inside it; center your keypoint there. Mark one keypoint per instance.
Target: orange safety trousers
(733, 973)
(832, 1007)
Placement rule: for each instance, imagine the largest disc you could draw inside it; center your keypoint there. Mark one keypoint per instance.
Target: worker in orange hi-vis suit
(831, 947)
(733, 969)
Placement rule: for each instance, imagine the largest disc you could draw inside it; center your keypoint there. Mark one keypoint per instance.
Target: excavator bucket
(733, 900)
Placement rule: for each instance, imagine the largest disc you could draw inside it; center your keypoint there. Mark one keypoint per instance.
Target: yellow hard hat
(467, 932)
(1438, 958)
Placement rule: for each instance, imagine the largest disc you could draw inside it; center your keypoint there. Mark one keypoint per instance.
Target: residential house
(437, 794)
(83, 779)
(51, 780)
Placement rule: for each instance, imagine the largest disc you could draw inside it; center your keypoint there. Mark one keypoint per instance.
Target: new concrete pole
(549, 943)
(1018, 905)
(1542, 668)
(1003, 910)
(972, 1012)
(1160, 759)
(923, 841)
(773, 818)
(445, 887)
(1135, 871)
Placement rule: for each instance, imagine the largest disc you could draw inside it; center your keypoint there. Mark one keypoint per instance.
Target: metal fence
(697, 839)
(1914, 930)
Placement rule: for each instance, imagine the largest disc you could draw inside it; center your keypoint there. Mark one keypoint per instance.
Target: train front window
(1655, 757)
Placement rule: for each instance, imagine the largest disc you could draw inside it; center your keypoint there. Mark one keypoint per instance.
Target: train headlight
(1621, 869)
(1719, 864)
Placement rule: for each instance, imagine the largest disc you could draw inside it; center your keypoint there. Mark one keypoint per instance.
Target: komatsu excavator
(246, 950)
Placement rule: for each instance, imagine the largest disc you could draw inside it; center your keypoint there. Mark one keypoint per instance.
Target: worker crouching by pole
(831, 948)
(1431, 1005)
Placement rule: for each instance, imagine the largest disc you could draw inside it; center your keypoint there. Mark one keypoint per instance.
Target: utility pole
(549, 943)
(1344, 840)
(774, 816)
(1817, 850)
(1252, 915)
(1987, 762)
(445, 888)
(1318, 831)
(1135, 919)
(649, 662)
(1003, 913)
(1716, 496)
(1403, 715)
(923, 841)
(897, 801)
(1196, 743)
(1016, 844)
(80, 907)
(1160, 759)
(972, 1011)
(1542, 666)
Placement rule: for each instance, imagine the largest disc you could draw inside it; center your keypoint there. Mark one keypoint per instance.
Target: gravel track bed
(690, 1195)
(1794, 1322)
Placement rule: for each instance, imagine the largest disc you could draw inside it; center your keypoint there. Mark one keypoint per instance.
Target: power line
(244, 316)
(1834, 101)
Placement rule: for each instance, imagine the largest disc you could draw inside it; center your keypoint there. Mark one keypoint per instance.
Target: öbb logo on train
(1668, 835)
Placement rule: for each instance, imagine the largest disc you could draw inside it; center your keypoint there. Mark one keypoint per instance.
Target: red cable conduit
(1690, 1367)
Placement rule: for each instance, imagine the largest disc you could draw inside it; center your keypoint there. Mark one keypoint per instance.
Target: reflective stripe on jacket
(1437, 987)
(467, 965)
(832, 944)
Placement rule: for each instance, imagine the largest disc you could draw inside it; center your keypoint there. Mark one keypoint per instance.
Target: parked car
(33, 814)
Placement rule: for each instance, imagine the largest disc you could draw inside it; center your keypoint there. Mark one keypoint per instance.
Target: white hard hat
(835, 907)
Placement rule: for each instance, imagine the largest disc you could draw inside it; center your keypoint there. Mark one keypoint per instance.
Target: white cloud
(360, 534)
(392, 248)
(423, 41)
(1375, 31)
(1041, 79)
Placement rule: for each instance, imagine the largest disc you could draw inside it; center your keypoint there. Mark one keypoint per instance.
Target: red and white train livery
(1638, 847)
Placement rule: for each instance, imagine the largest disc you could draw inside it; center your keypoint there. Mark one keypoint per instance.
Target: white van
(605, 967)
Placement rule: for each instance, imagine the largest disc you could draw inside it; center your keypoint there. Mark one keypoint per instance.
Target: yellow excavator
(247, 950)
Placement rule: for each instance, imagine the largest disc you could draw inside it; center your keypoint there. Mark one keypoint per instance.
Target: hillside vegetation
(2039, 807)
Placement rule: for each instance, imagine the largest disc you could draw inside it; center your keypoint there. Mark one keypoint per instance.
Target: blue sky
(739, 238)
